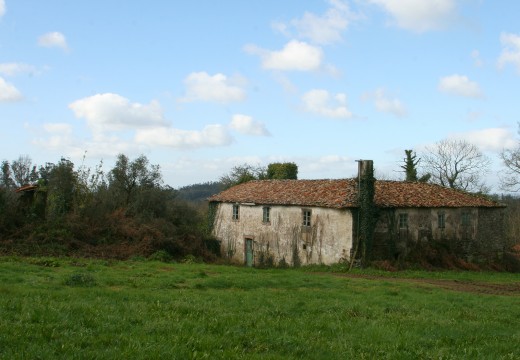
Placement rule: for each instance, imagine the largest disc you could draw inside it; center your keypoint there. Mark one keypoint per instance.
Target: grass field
(93, 309)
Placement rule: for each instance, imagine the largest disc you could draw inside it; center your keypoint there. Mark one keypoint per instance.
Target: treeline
(64, 209)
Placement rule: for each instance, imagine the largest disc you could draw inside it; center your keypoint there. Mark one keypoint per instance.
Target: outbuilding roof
(342, 193)
(26, 188)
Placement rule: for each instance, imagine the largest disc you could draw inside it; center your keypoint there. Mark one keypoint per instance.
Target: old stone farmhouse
(315, 221)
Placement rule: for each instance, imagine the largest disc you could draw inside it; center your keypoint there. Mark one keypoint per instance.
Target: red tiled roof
(415, 194)
(342, 193)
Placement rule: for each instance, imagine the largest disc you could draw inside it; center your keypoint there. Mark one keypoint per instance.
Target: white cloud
(295, 55)
(115, 120)
(8, 93)
(420, 15)
(325, 29)
(493, 139)
(53, 39)
(246, 125)
(200, 86)
(330, 166)
(13, 69)
(211, 135)
(460, 85)
(60, 138)
(322, 103)
(119, 126)
(2, 8)
(112, 112)
(385, 103)
(511, 50)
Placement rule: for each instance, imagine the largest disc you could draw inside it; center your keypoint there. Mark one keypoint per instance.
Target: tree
(23, 171)
(6, 179)
(457, 164)
(286, 170)
(243, 173)
(410, 167)
(127, 177)
(510, 179)
(60, 186)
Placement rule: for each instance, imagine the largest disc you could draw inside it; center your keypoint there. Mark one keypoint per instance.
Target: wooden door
(249, 252)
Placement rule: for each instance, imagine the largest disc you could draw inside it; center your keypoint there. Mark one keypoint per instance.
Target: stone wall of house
(476, 234)
(284, 239)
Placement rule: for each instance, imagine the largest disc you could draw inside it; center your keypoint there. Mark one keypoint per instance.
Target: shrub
(191, 259)
(160, 255)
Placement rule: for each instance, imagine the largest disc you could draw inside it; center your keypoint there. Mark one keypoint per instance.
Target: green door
(249, 252)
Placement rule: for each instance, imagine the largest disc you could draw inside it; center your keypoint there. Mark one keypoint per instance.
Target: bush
(191, 259)
(160, 255)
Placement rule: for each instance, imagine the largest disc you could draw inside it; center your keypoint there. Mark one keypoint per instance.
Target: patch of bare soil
(509, 289)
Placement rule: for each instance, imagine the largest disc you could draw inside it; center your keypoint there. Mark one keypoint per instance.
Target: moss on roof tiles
(342, 193)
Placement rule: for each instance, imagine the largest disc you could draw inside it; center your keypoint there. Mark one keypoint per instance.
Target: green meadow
(61, 308)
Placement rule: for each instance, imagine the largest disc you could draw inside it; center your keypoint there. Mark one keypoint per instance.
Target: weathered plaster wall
(480, 238)
(284, 239)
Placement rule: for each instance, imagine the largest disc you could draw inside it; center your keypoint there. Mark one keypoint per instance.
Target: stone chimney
(364, 166)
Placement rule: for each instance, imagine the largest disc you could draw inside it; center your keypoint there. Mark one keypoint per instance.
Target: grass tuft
(80, 280)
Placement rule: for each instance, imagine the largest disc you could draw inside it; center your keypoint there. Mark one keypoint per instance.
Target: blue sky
(201, 86)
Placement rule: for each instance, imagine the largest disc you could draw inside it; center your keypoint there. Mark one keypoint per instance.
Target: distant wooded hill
(199, 192)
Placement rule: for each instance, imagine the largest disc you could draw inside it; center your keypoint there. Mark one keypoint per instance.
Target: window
(441, 221)
(235, 212)
(466, 218)
(306, 217)
(403, 221)
(266, 217)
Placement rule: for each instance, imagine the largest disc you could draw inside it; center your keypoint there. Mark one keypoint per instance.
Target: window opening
(266, 217)
(466, 218)
(403, 221)
(306, 217)
(441, 221)
(235, 212)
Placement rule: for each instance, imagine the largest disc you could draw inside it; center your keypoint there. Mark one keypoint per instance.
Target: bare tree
(457, 164)
(510, 179)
